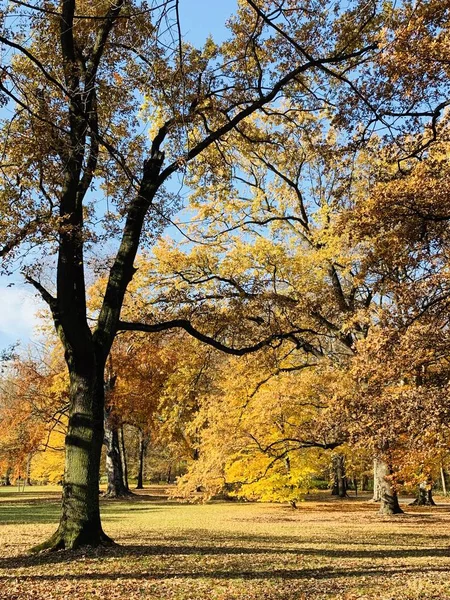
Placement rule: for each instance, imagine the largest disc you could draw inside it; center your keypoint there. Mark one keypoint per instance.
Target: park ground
(327, 549)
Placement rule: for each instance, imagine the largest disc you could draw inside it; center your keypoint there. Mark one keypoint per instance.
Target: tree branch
(189, 328)
(46, 296)
(262, 101)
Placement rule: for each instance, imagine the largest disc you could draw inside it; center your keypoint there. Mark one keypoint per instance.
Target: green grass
(224, 551)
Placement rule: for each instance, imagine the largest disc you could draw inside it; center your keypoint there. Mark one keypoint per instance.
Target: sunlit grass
(327, 549)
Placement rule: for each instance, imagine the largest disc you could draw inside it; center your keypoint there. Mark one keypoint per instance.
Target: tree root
(390, 510)
(71, 539)
(122, 494)
(421, 502)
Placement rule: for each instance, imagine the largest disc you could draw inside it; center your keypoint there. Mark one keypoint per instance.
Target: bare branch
(49, 299)
(189, 328)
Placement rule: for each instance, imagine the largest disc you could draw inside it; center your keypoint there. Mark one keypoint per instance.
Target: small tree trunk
(123, 458)
(339, 478)
(8, 476)
(28, 470)
(364, 483)
(114, 469)
(444, 481)
(142, 449)
(388, 495)
(376, 487)
(116, 487)
(287, 464)
(80, 515)
(169, 473)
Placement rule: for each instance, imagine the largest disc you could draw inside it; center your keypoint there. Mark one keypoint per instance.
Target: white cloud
(19, 308)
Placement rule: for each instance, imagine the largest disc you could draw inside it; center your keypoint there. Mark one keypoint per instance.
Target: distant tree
(33, 404)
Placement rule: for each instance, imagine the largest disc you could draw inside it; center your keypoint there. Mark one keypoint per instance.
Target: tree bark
(123, 458)
(28, 470)
(339, 487)
(114, 465)
(424, 495)
(114, 471)
(444, 478)
(376, 488)
(142, 449)
(388, 496)
(80, 515)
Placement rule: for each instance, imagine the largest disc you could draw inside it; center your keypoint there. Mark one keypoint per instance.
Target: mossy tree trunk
(86, 353)
(80, 516)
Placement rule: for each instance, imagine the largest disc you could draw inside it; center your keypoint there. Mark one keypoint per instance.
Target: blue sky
(18, 302)
(199, 18)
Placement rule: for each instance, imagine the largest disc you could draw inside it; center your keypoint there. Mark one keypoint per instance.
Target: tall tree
(75, 83)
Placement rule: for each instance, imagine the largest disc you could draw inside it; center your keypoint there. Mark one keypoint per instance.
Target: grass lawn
(326, 549)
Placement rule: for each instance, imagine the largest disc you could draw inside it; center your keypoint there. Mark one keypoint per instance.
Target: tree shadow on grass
(429, 542)
(195, 546)
(320, 573)
(338, 553)
(138, 497)
(34, 511)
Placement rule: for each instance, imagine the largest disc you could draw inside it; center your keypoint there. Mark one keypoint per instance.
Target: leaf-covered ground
(326, 549)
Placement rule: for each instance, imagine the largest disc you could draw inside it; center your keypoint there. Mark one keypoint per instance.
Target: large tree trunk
(388, 496)
(143, 444)
(339, 487)
(80, 517)
(114, 471)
